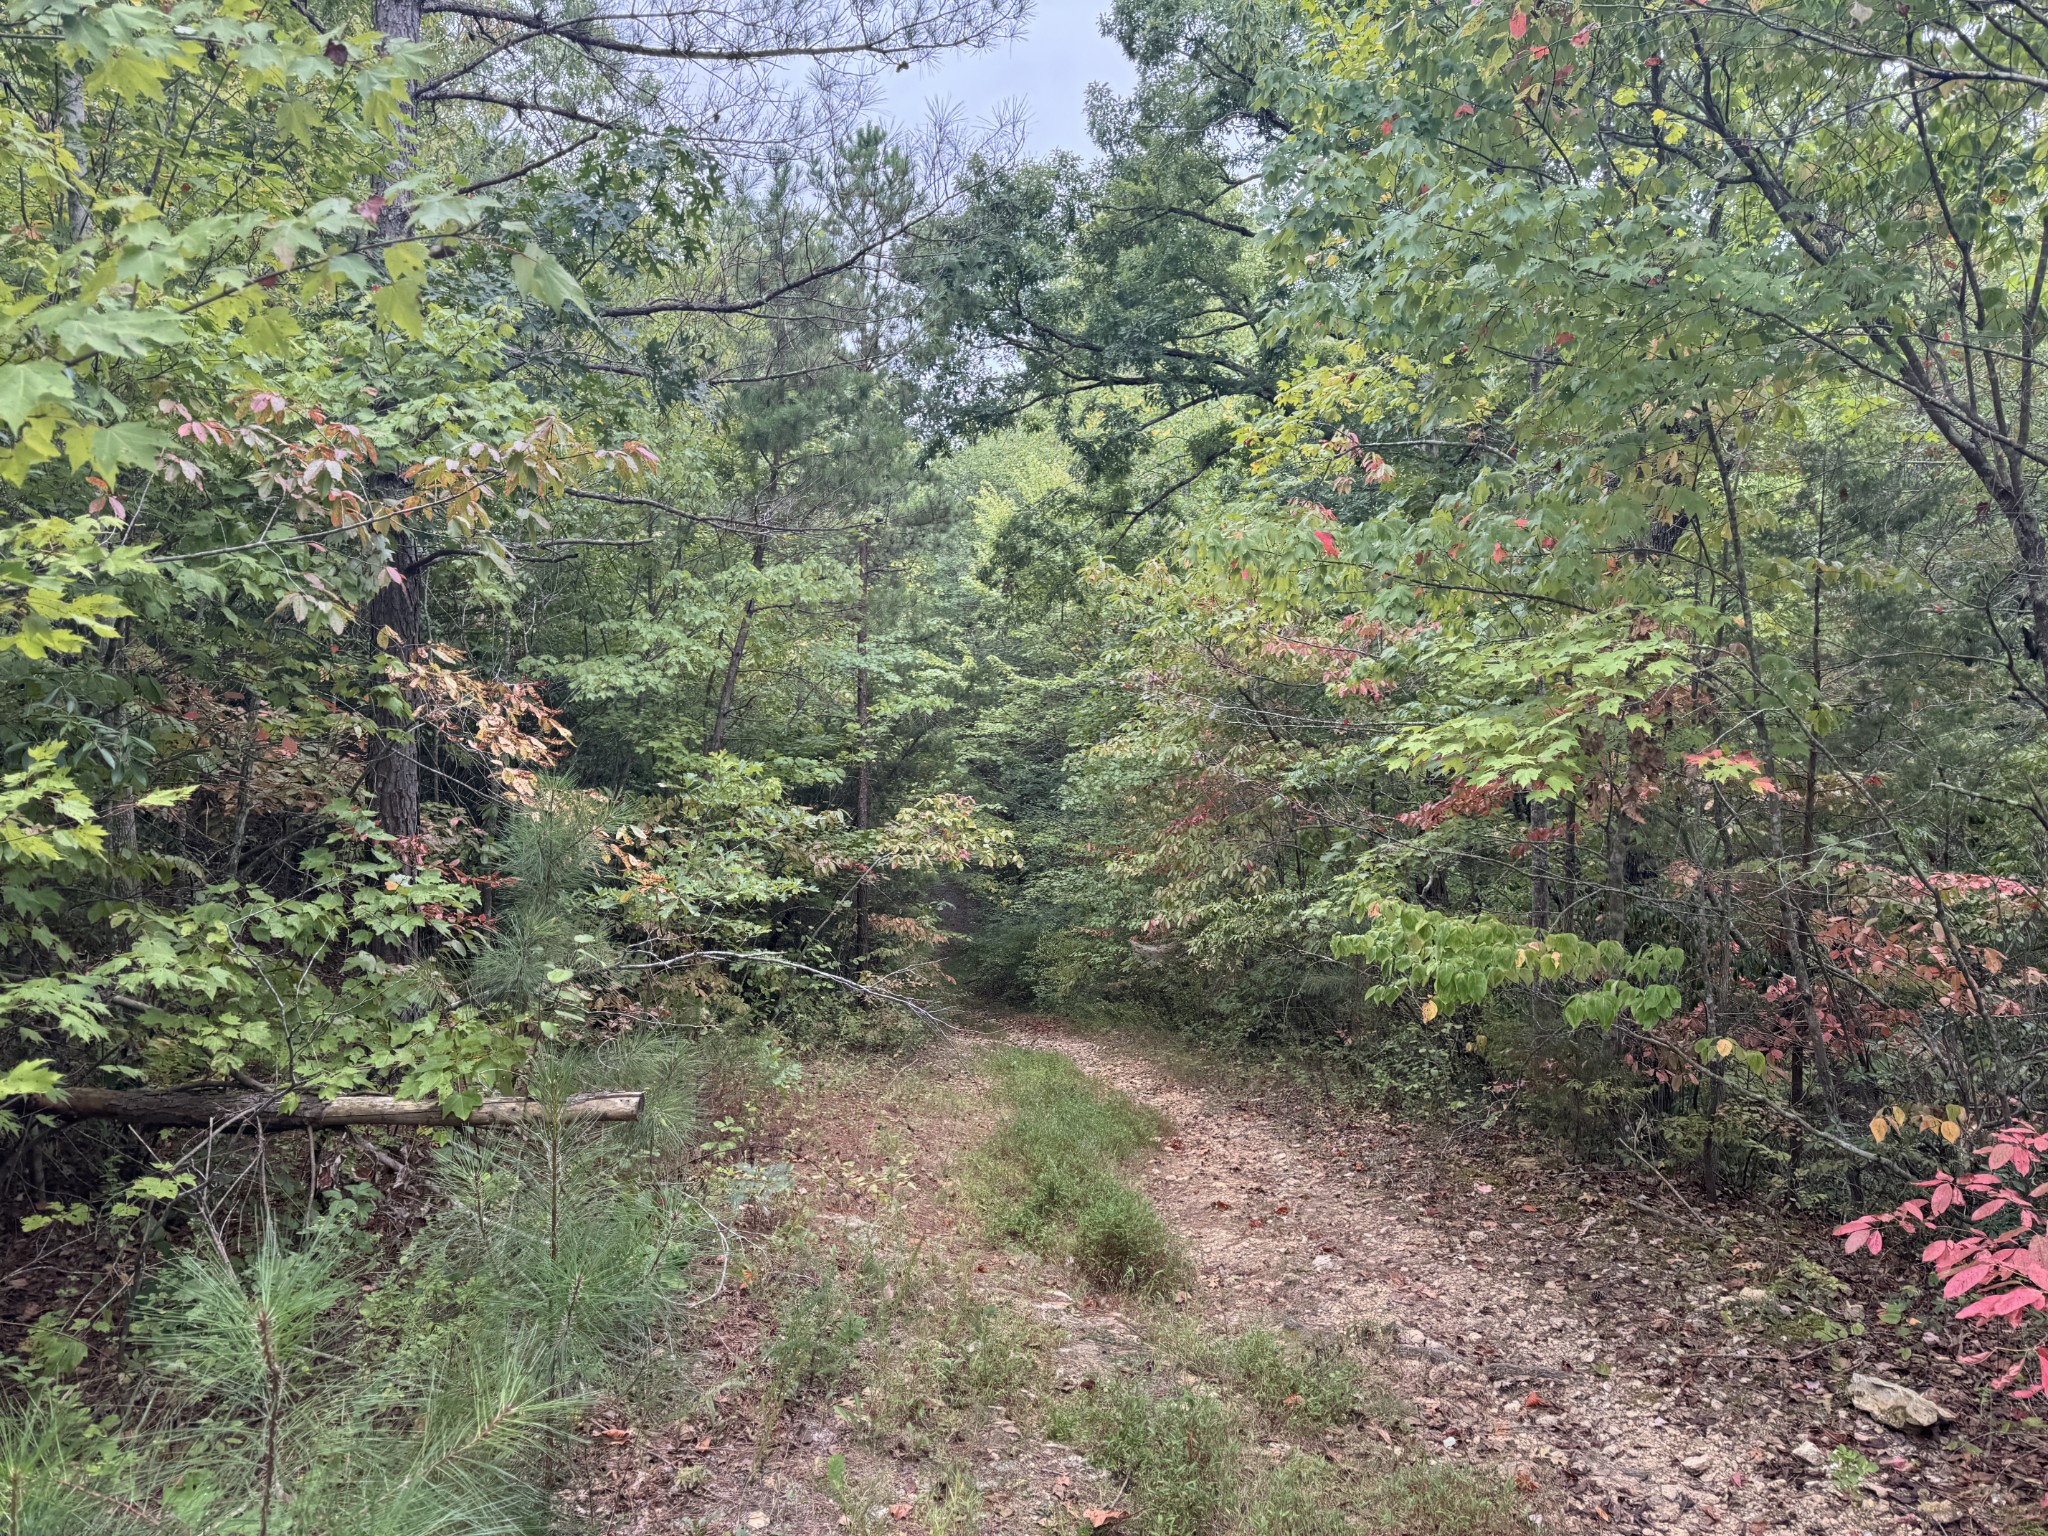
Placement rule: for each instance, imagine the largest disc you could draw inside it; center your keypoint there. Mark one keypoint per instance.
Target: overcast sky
(1047, 72)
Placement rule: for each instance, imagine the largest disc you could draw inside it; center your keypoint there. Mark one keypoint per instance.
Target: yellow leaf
(1878, 1127)
(1950, 1131)
(1724, 1047)
(1429, 1010)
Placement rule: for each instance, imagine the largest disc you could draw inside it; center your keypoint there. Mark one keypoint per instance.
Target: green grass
(1182, 1456)
(1048, 1178)
(1418, 1499)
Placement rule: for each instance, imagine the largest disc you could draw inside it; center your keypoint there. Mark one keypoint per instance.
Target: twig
(1705, 1226)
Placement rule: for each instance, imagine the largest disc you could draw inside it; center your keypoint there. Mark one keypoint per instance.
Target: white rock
(1810, 1453)
(1698, 1466)
(1896, 1406)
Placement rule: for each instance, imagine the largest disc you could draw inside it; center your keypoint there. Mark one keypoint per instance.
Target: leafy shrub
(1993, 1256)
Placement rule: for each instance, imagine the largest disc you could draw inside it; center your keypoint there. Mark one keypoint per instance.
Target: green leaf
(539, 276)
(398, 305)
(106, 449)
(130, 333)
(406, 259)
(25, 386)
(28, 1077)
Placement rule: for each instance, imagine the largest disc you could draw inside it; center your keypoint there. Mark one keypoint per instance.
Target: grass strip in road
(1050, 1176)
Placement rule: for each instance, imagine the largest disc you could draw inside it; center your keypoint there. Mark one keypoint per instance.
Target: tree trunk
(393, 618)
(394, 764)
(71, 116)
(400, 21)
(862, 815)
(728, 693)
(1569, 897)
(248, 1111)
(1539, 865)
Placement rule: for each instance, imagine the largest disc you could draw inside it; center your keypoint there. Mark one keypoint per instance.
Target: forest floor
(1591, 1351)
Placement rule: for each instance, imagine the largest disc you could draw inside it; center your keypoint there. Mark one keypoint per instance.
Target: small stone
(1698, 1466)
(1810, 1453)
(757, 1520)
(1893, 1405)
(1940, 1511)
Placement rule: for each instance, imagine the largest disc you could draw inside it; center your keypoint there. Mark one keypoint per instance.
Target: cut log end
(201, 1110)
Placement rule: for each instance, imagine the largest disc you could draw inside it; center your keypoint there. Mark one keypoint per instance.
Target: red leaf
(1466, 110)
(1500, 553)
(1518, 26)
(1537, 1400)
(1329, 544)
(1583, 36)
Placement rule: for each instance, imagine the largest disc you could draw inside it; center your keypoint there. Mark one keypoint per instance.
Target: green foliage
(432, 1397)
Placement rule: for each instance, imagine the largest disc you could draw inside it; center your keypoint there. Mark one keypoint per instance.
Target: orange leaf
(1537, 1400)
(1098, 1518)
(899, 1511)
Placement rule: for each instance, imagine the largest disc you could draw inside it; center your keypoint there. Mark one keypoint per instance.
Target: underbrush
(292, 1370)
(1048, 1178)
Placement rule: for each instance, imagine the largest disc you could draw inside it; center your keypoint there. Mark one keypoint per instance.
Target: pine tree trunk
(862, 814)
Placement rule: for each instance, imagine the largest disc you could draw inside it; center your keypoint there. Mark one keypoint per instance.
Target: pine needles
(278, 1393)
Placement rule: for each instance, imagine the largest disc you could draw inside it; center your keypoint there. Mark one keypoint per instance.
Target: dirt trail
(1603, 1358)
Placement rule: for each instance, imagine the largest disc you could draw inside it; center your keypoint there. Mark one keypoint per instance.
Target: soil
(1599, 1344)
(1634, 1359)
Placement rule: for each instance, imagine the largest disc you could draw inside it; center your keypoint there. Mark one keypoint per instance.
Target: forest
(573, 596)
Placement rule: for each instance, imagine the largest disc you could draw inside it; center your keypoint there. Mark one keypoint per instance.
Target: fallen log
(239, 1111)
